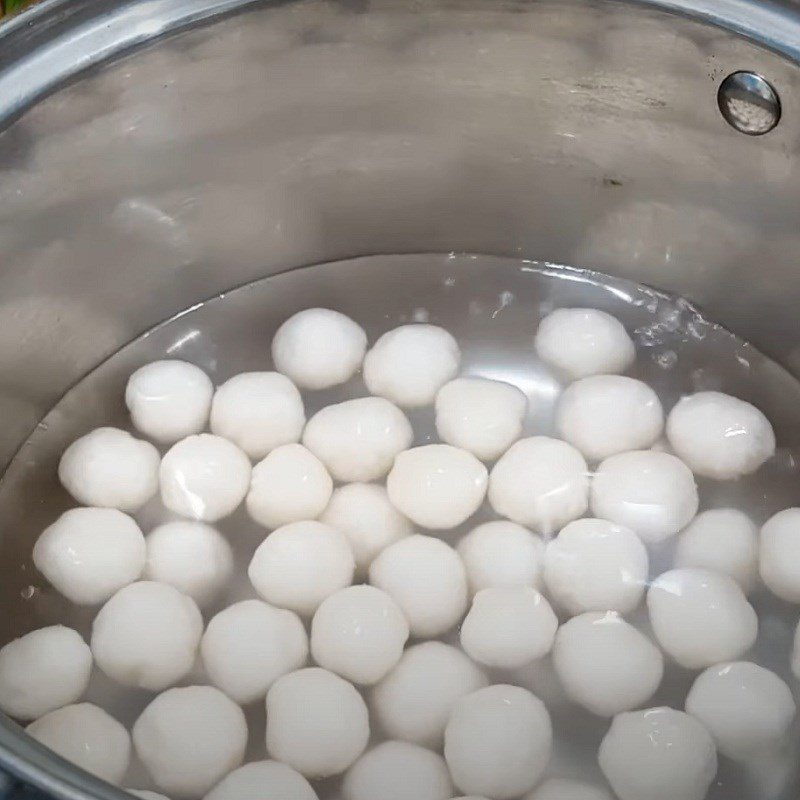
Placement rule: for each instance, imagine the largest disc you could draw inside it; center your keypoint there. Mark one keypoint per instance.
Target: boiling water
(492, 306)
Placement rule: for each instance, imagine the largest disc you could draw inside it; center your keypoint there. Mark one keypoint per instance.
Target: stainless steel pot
(272, 135)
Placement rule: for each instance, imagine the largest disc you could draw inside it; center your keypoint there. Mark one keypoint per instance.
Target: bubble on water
(421, 315)
(29, 592)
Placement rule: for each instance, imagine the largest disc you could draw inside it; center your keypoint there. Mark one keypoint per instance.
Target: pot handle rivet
(749, 103)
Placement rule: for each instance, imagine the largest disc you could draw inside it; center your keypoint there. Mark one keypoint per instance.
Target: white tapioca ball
(146, 635)
(88, 737)
(437, 486)
(398, 771)
(87, 554)
(366, 516)
(249, 645)
(498, 741)
(722, 540)
(701, 618)
(746, 708)
(413, 702)
(258, 411)
(584, 341)
(358, 633)
(409, 364)
(169, 400)
(795, 659)
(480, 415)
(719, 436)
(263, 779)
(110, 469)
(426, 578)
(298, 565)
(605, 664)
(146, 794)
(652, 493)
(289, 485)
(190, 738)
(540, 482)
(318, 348)
(595, 565)
(568, 789)
(502, 553)
(204, 477)
(191, 556)
(779, 554)
(603, 415)
(357, 440)
(43, 670)
(658, 754)
(316, 722)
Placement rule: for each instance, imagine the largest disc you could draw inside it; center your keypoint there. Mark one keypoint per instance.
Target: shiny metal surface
(748, 103)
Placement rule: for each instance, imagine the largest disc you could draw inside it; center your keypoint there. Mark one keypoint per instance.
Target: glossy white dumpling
(298, 565)
(658, 754)
(357, 440)
(146, 636)
(191, 556)
(110, 469)
(358, 633)
(190, 738)
(746, 708)
(502, 553)
(584, 341)
(595, 565)
(316, 722)
(289, 485)
(480, 415)
(263, 779)
(540, 482)
(318, 348)
(408, 365)
(204, 477)
(498, 742)
(568, 789)
(87, 737)
(413, 702)
(779, 554)
(87, 554)
(169, 400)
(722, 540)
(43, 670)
(701, 618)
(652, 493)
(366, 516)
(398, 771)
(719, 436)
(605, 664)
(426, 578)
(437, 486)
(603, 415)
(249, 645)
(258, 411)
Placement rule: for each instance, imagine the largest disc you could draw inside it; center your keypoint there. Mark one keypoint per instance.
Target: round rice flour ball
(146, 636)
(779, 554)
(110, 469)
(498, 742)
(719, 436)
(86, 736)
(357, 440)
(568, 789)
(190, 738)
(658, 754)
(261, 779)
(584, 341)
(318, 348)
(43, 670)
(413, 702)
(258, 411)
(480, 415)
(87, 554)
(169, 400)
(317, 722)
(409, 364)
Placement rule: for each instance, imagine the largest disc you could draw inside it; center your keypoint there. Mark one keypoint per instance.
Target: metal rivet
(749, 103)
